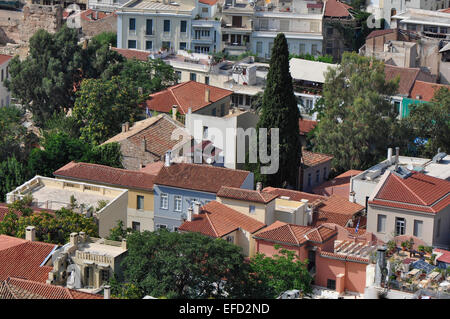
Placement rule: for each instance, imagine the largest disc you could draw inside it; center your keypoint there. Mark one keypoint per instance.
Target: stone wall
(91, 28)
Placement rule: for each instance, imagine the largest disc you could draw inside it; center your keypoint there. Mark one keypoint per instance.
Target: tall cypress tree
(279, 110)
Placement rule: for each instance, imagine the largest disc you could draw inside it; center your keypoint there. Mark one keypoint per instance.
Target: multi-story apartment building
(236, 26)
(386, 9)
(168, 26)
(299, 20)
(106, 5)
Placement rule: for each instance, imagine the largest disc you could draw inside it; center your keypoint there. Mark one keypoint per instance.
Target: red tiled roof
(418, 192)
(153, 168)
(217, 220)
(445, 10)
(334, 8)
(133, 54)
(312, 159)
(330, 218)
(18, 288)
(341, 205)
(23, 258)
(295, 234)
(340, 185)
(246, 194)
(344, 257)
(4, 58)
(185, 95)
(425, 90)
(209, 2)
(306, 126)
(200, 177)
(407, 77)
(378, 33)
(445, 257)
(89, 14)
(106, 175)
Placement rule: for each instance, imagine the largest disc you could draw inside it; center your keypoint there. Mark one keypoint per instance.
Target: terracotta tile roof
(5, 58)
(23, 258)
(340, 185)
(445, 10)
(152, 168)
(156, 131)
(18, 288)
(418, 192)
(185, 95)
(340, 205)
(133, 54)
(312, 159)
(294, 195)
(297, 235)
(106, 175)
(330, 218)
(378, 33)
(88, 15)
(425, 90)
(445, 257)
(334, 8)
(209, 2)
(199, 177)
(246, 194)
(407, 77)
(306, 126)
(217, 220)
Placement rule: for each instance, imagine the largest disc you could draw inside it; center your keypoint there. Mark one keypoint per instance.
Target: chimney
(127, 126)
(397, 152)
(207, 95)
(74, 239)
(259, 186)
(189, 214)
(30, 233)
(167, 159)
(82, 235)
(389, 155)
(196, 207)
(124, 128)
(174, 112)
(107, 292)
(124, 243)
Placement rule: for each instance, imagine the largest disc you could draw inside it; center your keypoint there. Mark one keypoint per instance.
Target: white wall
(5, 95)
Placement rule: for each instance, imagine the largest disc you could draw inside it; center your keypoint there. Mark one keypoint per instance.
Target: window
(331, 284)
(161, 226)
(166, 45)
(381, 224)
(148, 45)
(175, 229)
(317, 176)
(330, 31)
(177, 203)
(205, 132)
(329, 49)
(205, 10)
(2, 75)
(183, 26)
(207, 80)
(149, 27)
(166, 25)
(132, 24)
(136, 226)
(236, 21)
(314, 49)
(251, 209)
(441, 30)
(324, 173)
(164, 201)
(131, 44)
(411, 27)
(193, 77)
(140, 202)
(302, 48)
(430, 28)
(230, 239)
(259, 47)
(309, 179)
(105, 275)
(183, 45)
(418, 226)
(178, 73)
(400, 226)
(264, 24)
(214, 112)
(284, 25)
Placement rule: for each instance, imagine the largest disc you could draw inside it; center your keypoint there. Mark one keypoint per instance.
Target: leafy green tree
(106, 38)
(12, 174)
(60, 122)
(14, 138)
(431, 122)
(284, 271)
(119, 232)
(107, 154)
(102, 106)
(279, 110)
(51, 228)
(184, 265)
(354, 109)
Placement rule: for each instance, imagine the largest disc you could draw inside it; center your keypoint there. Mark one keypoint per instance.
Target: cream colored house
(139, 205)
(55, 194)
(87, 263)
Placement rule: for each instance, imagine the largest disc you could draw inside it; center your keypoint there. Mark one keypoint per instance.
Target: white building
(386, 9)
(299, 20)
(106, 5)
(5, 95)
(427, 23)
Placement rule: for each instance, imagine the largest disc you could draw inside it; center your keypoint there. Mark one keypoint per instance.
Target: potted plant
(391, 247)
(421, 248)
(404, 245)
(429, 249)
